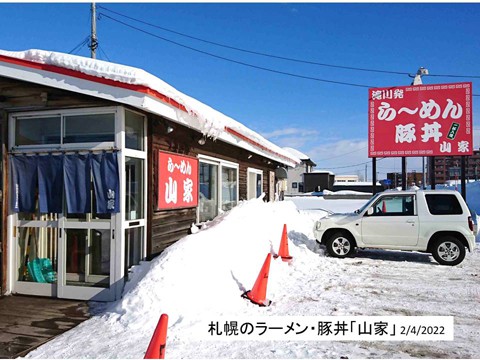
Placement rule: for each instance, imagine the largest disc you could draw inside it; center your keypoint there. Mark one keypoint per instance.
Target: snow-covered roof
(137, 88)
(322, 172)
(296, 153)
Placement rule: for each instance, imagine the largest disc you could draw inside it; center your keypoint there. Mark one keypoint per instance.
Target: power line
(243, 63)
(343, 154)
(277, 56)
(360, 164)
(80, 45)
(104, 53)
(235, 61)
(251, 51)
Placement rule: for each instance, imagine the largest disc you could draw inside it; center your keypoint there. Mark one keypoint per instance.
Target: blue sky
(326, 121)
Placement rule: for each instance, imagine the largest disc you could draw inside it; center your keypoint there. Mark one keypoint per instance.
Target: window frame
(379, 202)
(63, 113)
(256, 171)
(429, 198)
(220, 163)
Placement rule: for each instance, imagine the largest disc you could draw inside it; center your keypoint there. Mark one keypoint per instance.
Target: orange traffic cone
(283, 250)
(156, 348)
(259, 292)
(384, 207)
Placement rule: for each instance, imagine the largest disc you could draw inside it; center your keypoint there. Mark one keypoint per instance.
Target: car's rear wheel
(448, 250)
(340, 245)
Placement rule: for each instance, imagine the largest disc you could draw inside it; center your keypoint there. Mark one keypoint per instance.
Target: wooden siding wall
(165, 227)
(168, 226)
(16, 95)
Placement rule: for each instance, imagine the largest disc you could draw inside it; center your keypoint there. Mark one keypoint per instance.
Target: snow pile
(201, 278)
(207, 120)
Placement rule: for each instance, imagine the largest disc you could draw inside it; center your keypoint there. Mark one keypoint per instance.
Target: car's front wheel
(448, 250)
(340, 245)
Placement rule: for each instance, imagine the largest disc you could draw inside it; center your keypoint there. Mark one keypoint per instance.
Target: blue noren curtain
(50, 183)
(106, 183)
(24, 182)
(77, 183)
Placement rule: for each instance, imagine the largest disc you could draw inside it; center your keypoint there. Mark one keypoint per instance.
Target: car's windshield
(368, 203)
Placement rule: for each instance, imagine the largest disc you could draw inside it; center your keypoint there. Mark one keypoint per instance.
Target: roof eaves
(142, 89)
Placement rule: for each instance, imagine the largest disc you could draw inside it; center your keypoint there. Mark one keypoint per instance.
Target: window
(255, 183)
(441, 204)
(229, 188)
(300, 187)
(294, 185)
(134, 188)
(395, 206)
(95, 128)
(134, 131)
(135, 178)
(37, 130)
(208, 199)
(218, 187)
(64, 129)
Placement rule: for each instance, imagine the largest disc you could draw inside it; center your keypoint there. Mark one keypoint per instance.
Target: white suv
(434, 221)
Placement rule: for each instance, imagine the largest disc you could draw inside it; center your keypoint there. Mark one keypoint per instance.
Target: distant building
(319, 180)
(295, 177)
(346, 178)
(359, 186)
(395, 179)
(449, 167)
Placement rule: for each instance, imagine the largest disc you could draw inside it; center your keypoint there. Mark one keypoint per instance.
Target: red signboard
(177, 181)
(420, 120)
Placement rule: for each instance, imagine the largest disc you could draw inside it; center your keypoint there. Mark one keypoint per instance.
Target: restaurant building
(105, 165)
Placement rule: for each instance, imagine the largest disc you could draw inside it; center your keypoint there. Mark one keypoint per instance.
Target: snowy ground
(200, 279)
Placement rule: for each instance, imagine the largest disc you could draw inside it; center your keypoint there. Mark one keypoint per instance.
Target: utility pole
(424, 178)
(93, 37)
(418, 77)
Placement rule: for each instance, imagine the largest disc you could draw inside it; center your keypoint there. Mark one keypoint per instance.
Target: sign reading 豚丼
(421, 120)
(177, 181)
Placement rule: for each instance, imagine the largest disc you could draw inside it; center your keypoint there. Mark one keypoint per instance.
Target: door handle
(411, 221)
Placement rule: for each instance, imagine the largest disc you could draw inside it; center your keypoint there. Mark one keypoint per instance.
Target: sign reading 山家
(177, 181)
(421, 120)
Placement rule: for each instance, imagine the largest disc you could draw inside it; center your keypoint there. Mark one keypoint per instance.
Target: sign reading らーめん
(177, 181)
(421, 120)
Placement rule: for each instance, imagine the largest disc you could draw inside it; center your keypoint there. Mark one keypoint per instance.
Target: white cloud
(296, 138)
(289, 131)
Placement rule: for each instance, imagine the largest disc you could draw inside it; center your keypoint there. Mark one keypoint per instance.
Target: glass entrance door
(65, 258)
(86, 250)
(36, 257)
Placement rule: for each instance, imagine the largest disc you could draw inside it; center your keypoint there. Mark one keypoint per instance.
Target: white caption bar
(330, 328)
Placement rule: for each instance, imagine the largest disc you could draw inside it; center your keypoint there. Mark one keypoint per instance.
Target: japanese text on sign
(177, 181)
(328, 328)
(421, 120)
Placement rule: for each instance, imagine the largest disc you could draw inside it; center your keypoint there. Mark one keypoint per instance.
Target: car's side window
(443, 204)
(395, 205)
